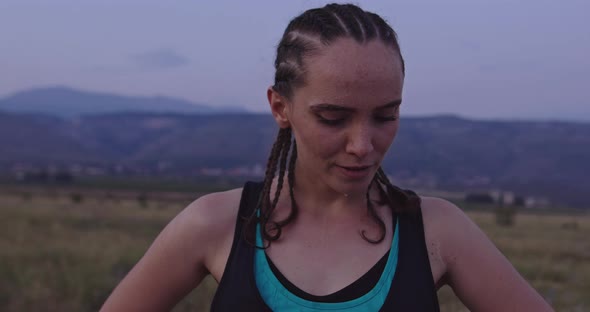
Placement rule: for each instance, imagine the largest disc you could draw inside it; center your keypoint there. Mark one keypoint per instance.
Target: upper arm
(176, 262)
(477, 271)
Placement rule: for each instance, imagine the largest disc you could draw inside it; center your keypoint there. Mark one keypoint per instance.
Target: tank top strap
(237, 289)
(411, 286)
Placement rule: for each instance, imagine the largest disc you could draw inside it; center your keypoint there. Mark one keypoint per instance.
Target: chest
(322, 263)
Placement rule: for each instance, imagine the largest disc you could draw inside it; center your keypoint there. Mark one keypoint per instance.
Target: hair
(305, 35)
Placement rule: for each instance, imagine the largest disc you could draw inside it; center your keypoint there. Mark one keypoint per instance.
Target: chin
(349, 187)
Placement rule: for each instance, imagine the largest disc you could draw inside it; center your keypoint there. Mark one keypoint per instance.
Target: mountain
(67, 102)
(548, 159)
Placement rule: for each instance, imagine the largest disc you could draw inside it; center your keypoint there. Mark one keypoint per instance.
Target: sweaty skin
(341, 118)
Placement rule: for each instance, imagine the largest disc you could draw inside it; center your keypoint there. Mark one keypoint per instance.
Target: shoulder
(207, 222)
(202, 232)
(212, 210)
(192, 245)
(449, 231)
(445, 219)
(209, 214)
(210, 220)
(479, 274)
(441, 219)
(434, 207)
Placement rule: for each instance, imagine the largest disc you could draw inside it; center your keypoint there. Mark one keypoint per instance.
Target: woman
(337, 235)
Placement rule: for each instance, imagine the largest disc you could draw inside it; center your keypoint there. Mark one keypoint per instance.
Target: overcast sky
(526, 59)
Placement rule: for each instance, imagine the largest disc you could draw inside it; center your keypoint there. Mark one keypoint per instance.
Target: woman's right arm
(178, 259)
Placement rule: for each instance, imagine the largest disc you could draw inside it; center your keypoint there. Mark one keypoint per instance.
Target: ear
(278, 107)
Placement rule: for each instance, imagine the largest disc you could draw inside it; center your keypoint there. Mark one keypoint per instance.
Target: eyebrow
(339, 108)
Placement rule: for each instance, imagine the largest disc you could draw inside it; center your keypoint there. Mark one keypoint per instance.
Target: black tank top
(412, 288)
(357, 289)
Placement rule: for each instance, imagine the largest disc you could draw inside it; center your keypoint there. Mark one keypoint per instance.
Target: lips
(356, 168)
(354, 172)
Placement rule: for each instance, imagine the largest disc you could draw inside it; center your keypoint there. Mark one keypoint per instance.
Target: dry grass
(59, 255)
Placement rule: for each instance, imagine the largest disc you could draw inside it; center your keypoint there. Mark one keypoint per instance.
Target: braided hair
(304, 36)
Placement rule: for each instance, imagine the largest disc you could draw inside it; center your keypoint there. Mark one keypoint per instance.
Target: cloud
(160, 59)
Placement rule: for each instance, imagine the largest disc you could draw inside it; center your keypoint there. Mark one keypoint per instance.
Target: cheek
(385, 137)
(317, 142)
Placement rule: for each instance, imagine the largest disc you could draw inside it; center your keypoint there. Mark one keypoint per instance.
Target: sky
(527, 59)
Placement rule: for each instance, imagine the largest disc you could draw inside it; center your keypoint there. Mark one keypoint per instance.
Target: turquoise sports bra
(279, 298)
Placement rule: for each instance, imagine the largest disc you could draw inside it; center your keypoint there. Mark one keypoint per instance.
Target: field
(67, 251)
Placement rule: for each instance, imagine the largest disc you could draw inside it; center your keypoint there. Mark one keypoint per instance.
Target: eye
(331, 122)
(386, 115)
(386, 118)
(331, 119)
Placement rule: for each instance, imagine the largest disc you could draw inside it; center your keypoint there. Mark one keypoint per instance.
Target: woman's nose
(360, 141)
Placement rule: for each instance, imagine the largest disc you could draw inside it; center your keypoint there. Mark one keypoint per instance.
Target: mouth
(355, 168)
(355, 172)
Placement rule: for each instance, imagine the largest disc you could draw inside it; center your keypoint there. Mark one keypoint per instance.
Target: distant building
(507, 198)
(215, 172)
(534, 202)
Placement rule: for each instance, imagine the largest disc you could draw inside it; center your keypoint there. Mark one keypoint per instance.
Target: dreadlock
(305, 35)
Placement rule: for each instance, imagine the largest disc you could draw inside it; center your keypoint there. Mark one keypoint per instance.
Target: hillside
(547, 159)
(67, 102)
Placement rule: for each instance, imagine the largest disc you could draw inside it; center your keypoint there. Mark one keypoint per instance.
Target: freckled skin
(314, 250)
(361, 77)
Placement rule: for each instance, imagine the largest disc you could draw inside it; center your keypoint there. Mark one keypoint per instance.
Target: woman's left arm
(478, 273)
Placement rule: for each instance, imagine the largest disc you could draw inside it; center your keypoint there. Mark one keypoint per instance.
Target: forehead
(352, 74)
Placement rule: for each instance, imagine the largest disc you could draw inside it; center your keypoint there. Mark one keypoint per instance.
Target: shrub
(76, 198)
(142, 199)
(505, 215)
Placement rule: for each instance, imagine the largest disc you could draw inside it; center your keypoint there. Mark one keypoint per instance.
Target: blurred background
(114, 115)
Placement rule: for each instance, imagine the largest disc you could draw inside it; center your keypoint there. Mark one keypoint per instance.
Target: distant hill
(67, 102)
(548, 159)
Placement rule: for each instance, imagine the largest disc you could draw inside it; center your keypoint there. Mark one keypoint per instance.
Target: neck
(318, 198)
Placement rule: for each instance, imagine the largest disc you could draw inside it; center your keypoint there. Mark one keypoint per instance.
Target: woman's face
(345, 117)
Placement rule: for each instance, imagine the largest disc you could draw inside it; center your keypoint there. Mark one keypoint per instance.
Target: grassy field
(66, 253)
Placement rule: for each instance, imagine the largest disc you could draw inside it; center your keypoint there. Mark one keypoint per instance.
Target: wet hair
(305, 35)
